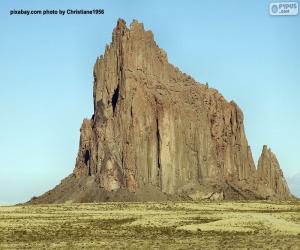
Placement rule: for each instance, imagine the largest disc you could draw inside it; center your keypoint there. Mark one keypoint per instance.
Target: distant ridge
(294, 183)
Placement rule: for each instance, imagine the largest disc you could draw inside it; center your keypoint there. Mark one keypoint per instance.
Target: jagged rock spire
(270, 173)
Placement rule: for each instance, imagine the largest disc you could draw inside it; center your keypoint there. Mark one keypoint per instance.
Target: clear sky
(47, 63)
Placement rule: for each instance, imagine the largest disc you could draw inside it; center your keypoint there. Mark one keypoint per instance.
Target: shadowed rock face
(155, 128)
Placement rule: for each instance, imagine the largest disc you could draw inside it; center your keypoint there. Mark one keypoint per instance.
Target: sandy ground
(167, 225)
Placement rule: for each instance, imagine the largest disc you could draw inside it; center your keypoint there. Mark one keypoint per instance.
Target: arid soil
(167, 225)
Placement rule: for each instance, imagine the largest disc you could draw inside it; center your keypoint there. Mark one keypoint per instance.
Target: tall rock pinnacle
(270, 173)
(156, 134)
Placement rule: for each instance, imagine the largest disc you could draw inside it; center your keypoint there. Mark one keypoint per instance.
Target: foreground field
(167, 225)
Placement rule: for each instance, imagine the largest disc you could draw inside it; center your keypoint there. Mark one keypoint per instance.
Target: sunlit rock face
(270, 173)
(155, 128)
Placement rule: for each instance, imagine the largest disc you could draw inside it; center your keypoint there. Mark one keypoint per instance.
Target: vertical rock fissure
(158, 145)
(86, 157)
(115, 97)
(131, 113)
(97, 157)
(87, 161)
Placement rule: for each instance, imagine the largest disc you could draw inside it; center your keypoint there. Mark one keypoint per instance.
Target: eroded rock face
(154, 126)
(270, 173)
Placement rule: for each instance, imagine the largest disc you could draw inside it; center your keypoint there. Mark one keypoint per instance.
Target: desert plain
(164, 225)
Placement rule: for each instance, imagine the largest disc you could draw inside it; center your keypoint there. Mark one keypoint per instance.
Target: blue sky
(46, 76)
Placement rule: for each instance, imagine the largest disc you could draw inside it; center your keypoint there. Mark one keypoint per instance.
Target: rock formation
(156, 134)
(270, 173)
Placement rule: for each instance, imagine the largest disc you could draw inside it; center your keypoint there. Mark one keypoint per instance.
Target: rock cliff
(156, 134)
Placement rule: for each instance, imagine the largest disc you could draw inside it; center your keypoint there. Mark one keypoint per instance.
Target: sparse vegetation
(167, 225)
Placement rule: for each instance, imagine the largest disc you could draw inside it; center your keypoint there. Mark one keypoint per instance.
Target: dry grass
(225, 225)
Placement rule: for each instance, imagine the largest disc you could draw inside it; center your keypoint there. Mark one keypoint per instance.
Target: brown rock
(270, 173)
(156, 130)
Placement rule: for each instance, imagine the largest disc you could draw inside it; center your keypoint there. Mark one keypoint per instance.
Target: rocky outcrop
(270, 173)
(154, 129)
